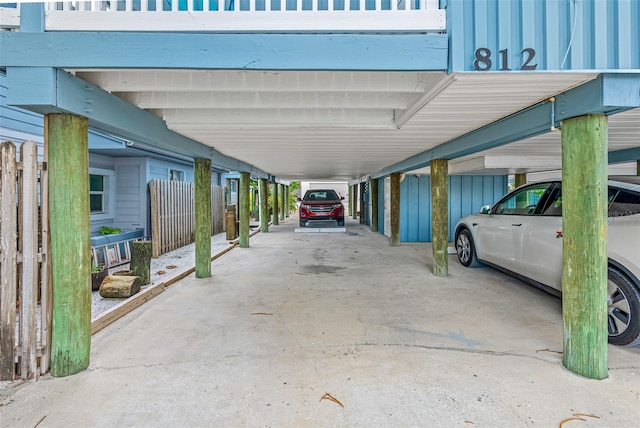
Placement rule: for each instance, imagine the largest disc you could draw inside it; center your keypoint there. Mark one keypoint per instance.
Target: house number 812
(483, 60)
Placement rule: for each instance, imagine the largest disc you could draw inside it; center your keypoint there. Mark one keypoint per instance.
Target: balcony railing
(254, 16)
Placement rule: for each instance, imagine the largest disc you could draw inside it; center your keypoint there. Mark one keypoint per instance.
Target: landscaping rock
(120, 286)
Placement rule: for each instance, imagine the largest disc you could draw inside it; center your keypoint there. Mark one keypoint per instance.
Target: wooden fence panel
(173, 214)
(8, 260)
(24, 279)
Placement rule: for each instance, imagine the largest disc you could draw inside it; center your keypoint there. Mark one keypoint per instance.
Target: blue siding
(467, 194)
(565, 34)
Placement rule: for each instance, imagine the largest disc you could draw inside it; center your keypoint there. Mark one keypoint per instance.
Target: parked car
(521, 234)
(321, 204)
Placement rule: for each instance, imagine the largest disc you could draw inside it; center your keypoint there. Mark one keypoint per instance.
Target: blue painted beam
(625, 155)
(396, 52)
(46, 90)
(608, 94)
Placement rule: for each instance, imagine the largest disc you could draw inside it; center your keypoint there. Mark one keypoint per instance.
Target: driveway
(333, 329)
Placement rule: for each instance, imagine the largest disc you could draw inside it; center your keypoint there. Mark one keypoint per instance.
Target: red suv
(321, 204)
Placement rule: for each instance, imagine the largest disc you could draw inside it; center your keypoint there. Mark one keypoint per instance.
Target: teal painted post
(263, 186)
(202, 214)
(354, 214)
(243, 213)
(66, 141)
(350, 202)
(584, 249)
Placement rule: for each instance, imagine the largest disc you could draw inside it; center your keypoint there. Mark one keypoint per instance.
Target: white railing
(249, 16)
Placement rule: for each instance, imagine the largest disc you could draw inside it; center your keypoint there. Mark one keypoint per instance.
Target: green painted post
(202, 216)
(394, 195)
(66, 140)
(276, 204)
(282, 202)
(355, 202)
(362, 207)
(286, 202)
(264, 205)
(440, 216)
(521, 180)
(243, 213)
(374, 205)
(584, 249)
(350, 203)
(638, 167)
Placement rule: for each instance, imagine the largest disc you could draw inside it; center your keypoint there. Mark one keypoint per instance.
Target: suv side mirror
(486, 209)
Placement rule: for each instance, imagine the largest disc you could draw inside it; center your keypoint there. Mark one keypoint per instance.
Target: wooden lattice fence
(25, 290)
(173, 214)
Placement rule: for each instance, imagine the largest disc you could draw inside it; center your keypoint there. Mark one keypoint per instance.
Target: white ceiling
(322, 125)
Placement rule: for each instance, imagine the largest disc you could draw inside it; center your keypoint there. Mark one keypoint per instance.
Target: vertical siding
(129, 204)
(566, 34)
(467, 194)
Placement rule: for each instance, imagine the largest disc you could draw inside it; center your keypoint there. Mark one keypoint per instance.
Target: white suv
(522, 235)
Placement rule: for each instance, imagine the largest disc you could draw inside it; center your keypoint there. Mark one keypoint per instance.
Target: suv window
(321, 195)
(623, 202)
(522, 202)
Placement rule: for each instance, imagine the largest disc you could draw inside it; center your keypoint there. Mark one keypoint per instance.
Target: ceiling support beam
(48, 90)
(607, 94)
(231, 51)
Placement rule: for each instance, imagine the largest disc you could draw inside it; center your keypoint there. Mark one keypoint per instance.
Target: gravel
(163, 268)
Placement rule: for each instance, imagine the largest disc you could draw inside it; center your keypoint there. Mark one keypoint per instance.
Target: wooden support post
(286, 202)
(202, 209)
(275, 209)
(66, 138)
(394, 195)
(521, 180)
(263, 187)
(141, 260)
(243, 213)
(584, 249)
(350, 202)
(374, 204)
(354, 214)
(282, 201)
(362, 206)
(440, 215)
(638, 167)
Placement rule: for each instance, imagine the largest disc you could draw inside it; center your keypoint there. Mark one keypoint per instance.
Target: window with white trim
(101, 193)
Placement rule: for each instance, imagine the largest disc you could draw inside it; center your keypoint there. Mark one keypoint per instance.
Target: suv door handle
(516, 224)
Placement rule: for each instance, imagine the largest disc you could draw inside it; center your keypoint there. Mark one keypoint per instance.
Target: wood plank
(46, 314)
(8, 260)
(28, 242)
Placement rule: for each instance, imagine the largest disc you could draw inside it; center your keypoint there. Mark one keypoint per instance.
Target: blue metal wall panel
(564, 34)
(467, 194)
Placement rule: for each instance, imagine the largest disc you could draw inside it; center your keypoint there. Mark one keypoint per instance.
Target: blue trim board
(373, 52)
(46, 90)
(625, 155)
(607, 94)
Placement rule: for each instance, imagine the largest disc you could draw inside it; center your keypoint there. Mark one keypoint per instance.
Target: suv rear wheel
(623, 309)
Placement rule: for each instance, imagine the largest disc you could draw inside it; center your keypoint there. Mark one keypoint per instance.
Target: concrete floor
(299, 315)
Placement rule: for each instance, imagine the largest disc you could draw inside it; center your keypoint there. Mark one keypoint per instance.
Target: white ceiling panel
(321, 125)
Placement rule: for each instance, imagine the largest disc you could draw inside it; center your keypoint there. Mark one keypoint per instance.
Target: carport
(479, 82)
